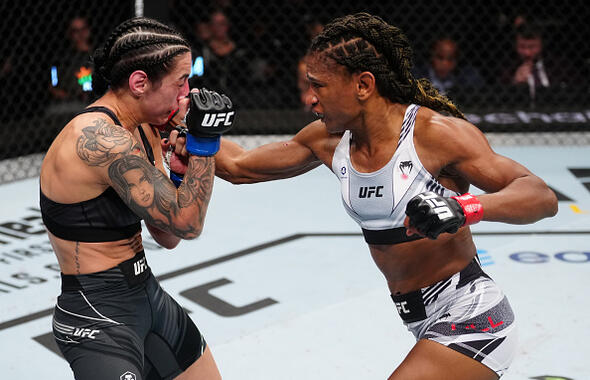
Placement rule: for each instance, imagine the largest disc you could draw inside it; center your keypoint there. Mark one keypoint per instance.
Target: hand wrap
(472, 209)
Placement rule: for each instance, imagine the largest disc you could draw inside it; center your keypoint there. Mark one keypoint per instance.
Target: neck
(122, 105)
(380, 123)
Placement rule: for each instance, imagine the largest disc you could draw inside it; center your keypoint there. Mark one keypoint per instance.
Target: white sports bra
(377, 201)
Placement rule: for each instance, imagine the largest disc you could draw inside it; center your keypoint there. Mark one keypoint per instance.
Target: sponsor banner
(531, 121)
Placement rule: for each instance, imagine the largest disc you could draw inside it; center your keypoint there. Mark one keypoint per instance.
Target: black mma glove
(210, 115)
(432, 214)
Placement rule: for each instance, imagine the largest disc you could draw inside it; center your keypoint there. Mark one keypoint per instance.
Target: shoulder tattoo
(101, 143)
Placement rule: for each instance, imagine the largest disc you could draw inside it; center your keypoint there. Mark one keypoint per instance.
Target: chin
(161, 120)
(333, 128)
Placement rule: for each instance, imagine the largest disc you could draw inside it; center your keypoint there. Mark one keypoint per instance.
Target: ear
(138, 82)
(365, 83)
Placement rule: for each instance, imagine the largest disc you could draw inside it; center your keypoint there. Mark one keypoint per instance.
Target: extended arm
(272, 161)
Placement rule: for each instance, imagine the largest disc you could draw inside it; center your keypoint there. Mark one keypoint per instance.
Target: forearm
(193, 196)
(525, 200)
(226, 162)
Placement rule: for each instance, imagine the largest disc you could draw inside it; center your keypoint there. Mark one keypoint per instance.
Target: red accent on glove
(472, 209)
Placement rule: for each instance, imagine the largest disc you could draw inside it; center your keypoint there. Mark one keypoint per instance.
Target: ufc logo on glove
(212, 119)
(210, 115)
(440, 208)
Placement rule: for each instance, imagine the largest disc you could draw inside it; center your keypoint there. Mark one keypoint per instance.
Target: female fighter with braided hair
(405, 170)
(101, 176)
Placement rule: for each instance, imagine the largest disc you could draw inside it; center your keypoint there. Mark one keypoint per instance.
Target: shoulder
(312, 132)
(317, 138)
(99, 141)
(447, 137)
(98, 124)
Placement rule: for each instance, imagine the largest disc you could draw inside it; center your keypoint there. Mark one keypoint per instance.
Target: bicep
(275, 160)
(144, 189)
(490, 171)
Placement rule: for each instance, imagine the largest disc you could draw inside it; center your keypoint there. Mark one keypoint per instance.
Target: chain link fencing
(253, 50)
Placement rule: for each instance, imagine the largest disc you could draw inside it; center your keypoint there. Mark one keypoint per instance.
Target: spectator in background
(445, 70)
(223, 59)
(71, 72)
(312, 27)
(202, 31)
(303, 84)
(532, 76)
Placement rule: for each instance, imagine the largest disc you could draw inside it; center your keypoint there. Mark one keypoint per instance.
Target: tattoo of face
(147, 191)
(102, 143)
(153, 197)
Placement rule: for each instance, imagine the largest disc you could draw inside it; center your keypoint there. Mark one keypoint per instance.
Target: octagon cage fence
(46, 67)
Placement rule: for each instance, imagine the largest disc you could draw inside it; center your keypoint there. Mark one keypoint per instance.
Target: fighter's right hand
(210, 115)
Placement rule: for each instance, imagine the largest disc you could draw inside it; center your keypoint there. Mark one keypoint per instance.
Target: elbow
(552, 204)
(193, 233)
(170, 244)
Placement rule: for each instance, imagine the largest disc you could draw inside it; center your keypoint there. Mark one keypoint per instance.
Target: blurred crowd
(517, 59)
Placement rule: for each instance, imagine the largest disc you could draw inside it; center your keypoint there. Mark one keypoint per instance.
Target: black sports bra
(104, 218)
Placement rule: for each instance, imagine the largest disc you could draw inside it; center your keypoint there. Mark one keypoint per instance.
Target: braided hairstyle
(362, 42)
(136, 44)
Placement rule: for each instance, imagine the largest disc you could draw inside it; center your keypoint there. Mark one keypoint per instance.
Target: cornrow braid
(137, 44)
(362, 42)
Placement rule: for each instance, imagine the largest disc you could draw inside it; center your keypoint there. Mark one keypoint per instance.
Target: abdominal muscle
(83, 258)
(417, 264)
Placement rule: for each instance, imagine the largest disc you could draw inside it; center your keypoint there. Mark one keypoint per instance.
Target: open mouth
(319, 115)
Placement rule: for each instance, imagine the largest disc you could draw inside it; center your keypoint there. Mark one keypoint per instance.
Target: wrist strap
(202, 146)
(176, 178)
(472, 208)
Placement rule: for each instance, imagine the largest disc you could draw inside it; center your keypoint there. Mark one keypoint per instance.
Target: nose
(311, 100)
(184, 91)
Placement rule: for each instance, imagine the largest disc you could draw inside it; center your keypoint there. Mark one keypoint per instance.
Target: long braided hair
(363, 42)
(136, 44)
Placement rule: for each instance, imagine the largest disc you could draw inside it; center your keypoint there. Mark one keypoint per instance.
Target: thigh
(174, 342)
(93, 365)
(98, 337)
(429, 360)
(479, 324)
(204, 368)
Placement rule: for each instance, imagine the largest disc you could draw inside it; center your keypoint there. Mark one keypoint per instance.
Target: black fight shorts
(120, 324)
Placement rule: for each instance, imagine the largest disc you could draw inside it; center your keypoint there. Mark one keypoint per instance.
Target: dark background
(274, 34)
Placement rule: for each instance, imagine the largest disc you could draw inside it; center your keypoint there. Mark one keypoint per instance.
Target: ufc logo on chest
(369, 191)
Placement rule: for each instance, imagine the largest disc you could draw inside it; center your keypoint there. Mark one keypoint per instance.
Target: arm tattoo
(101, 143)
(197, 184)
(153, 197)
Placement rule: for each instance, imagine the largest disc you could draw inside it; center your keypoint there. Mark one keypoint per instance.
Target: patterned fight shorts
(467, 313)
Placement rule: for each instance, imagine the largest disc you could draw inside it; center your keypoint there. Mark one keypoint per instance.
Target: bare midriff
(83, 258)
(420, 263)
